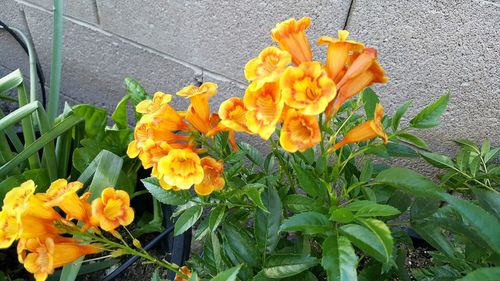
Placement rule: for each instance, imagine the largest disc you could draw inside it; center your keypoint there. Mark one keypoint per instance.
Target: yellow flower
(264, 106)
(339, 50)
(63, 195)
(212, 177)
(32, 227)
(307, 88)
(9, 229)
(21, 201)
(365, 131)
(150, 106)
(233, 115)
(165, 117)
(198, 113)
(299, 132)
(112, 209)
(184, 270)
(181, 168)
(363, 72)
(267, 67)
(290, 36)
(45, 255)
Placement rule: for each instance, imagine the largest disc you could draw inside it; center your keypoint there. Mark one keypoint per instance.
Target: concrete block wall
(427, 47)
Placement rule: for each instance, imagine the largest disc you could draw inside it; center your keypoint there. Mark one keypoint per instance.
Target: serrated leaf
(308, 223)
(252, 154)
(396, 119)
(483, 274)
(187, 219)
(307, 181)
(241, 244)
(437, 160)
(216, 216)
(267, 224)
(228, 275)
(367, 241)
(169, 197)
(365, 208)
(429, 116)
(383, 233)
(409, 181)
(366, 171)
(339, 259)
(253, 191)
(370, 100)
(485, 147)
(341, 215)
(412, 139)
(281, 266)
(299, 203)
(489, 200)
(491, 154)
(400, 150)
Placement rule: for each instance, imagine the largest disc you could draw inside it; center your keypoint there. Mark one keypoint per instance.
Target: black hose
(41, 78)
(133, 259)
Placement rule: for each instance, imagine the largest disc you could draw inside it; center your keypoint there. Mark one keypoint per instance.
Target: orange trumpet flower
(267, 67)
(198, 112)
(181, 168)
(212, 177)
(290, 36)
(112, 209)
(299, 132)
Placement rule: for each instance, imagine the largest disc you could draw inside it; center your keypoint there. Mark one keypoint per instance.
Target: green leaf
(429, 116)
(187, 219)
(156, 276)
(484, 224)
(437, 160)
(423, 207)
(252, 154)
(489, 200)
(281, 266)
(412, 139)
(267, 224)
(228, 275)
(409, 181)
(485, 147)
(169, 197)
(253, 191)
(339, 259)
(341, 215)
(370, 100)
(307, 181)
(308, 223)
(367, 241)
(299, 203)
(383, 233)
(95, 118)
(400, 150)
(396, 119)
(491, 154)
(120, 113)
(243, 247)
(483, 274)
(216, 216)
(366, 208)
(135, 90)
(366, 171)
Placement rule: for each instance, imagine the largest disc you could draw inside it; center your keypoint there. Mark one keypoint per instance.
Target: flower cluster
(32, 220)
(166, 141)
(287, 86)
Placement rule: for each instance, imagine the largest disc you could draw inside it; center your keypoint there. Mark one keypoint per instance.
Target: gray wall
(427, 47)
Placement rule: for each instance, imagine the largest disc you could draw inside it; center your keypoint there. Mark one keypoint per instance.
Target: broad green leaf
(429, 116)
(489, 200)
(187, 219)
(94, 117)
(253, 191)
(303, 276)
(423, 207)
(400, 150)
(299, 203)
(412, 139)
(400, 200)
(242, 245)
(366, 208)
(341, 215)
(135, 90)
(228, 275)
(370, 100)
(216, 216)
(366, 171)
(383, 233)
(267, 224)
(339, 259)
(120, 113)
(485, 147)
(437, 160)
(485, 225)
(281, 266)
(308, 223)
(307, 180)
(169, 197)
(409, 181)
(252, 154)
(491, 154)
(396, 119)
(433, 234)
(483, 274)
(367, 241)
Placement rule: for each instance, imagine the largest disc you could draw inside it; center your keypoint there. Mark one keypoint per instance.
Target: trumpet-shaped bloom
(307, 88)
(299, 132)
(45, 255)
(32, 227)
(264, 106)
(212, 177)
(363, 72)
(112, 209)
(165, 117)
(184, 270)
(151, 106)
(181, 168)
(233, 115)
(339, 49)
(365, 131)
(291, 37)
(267, 67)
(9, 229)
(198, 113)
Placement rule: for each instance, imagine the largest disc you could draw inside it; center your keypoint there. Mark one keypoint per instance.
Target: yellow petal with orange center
(267, 67)
(181, 168)
(290, 36)
(212, 180)
(299, 132)
(9, 229)
(233, 114)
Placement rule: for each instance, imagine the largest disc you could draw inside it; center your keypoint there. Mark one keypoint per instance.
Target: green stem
(32, 64)
(28, 128)
(282, 162)
(56, 64)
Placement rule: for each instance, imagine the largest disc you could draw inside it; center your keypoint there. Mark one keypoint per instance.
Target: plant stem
(56, 64)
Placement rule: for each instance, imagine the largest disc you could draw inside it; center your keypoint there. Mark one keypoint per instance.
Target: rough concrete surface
(220, 36)
(95, 63)
(429, 47)
(85, 10)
